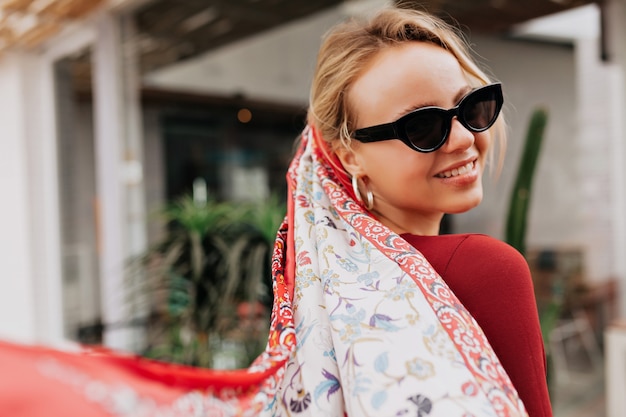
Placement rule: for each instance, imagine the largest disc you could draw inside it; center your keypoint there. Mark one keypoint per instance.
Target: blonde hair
(350, 46)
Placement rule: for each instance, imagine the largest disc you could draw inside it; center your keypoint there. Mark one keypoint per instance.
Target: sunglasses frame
(396, 130)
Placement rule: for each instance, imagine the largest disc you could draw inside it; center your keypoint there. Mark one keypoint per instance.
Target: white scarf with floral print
(378, 332)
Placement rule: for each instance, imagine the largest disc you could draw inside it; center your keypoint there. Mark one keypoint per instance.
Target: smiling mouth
(457, 171)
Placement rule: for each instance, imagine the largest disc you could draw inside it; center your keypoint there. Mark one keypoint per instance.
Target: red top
(493, 281)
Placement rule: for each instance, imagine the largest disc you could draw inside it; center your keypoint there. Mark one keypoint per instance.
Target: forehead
(404, 77)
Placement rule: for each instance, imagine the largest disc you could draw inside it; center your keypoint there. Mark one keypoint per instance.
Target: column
(615, 38)
(119, 179)
(17, 303)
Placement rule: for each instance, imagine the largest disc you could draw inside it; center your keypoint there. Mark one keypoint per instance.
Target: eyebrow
(459, 96)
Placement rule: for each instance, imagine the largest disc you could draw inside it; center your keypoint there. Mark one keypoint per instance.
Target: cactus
(516, 225)
(520, 195)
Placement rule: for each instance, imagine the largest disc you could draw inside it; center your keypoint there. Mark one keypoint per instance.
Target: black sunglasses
(428, 128)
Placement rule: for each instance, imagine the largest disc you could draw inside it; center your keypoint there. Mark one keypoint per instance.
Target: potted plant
(206, 285)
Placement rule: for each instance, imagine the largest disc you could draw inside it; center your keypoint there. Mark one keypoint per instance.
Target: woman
(374, 313)
(401, 120)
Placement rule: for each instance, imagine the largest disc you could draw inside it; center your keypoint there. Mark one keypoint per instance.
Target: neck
(413, 223)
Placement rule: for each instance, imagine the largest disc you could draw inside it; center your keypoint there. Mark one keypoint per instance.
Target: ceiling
(174, 30)
(170, 31)
(494, 15)
(28, 23)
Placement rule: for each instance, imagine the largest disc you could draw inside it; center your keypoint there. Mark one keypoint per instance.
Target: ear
(349, 158)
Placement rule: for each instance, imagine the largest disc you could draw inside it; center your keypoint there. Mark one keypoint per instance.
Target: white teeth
(456, 171)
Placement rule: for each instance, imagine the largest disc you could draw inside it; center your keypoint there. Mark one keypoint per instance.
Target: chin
(466, 205)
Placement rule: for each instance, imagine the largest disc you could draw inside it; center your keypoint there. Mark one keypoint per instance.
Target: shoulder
(482, 245)
(456, 255)
(491, 257)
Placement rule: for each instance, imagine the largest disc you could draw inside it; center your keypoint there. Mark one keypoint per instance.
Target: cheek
(395, 165)
(483, 143)
(389, 155)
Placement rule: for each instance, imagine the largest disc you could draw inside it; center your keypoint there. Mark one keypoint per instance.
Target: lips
(454, 172)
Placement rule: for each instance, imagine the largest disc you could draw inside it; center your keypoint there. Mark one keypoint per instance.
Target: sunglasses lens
(480, 110)
(426, 129)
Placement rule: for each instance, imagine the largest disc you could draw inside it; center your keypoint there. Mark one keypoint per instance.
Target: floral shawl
(377, 331)
(361, 325)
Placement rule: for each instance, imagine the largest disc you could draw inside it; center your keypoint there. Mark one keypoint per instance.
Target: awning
(28, 23)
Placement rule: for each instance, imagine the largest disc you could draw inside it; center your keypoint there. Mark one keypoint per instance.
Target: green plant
(521, 193)
(212, 262)
(516, 222)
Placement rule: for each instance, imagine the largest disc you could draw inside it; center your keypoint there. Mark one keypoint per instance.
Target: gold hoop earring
(369, 195)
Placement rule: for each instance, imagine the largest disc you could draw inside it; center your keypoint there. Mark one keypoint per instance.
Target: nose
(459, 138)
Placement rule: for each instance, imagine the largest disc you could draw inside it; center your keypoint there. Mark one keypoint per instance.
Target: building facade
(96, 133)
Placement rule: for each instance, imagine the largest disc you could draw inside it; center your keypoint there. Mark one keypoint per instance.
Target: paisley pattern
(377, 331)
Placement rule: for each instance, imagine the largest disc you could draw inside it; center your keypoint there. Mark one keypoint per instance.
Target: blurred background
(144, 144)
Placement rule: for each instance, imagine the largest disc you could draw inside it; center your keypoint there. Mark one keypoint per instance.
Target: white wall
(276, 66)
(30, 286)
(17, 287)
(616, 35)
(533, 75)
(601, 162)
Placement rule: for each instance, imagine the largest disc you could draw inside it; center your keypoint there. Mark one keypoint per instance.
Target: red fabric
(290, 267)
(335, 164)
(39, 381)
(493, 282)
